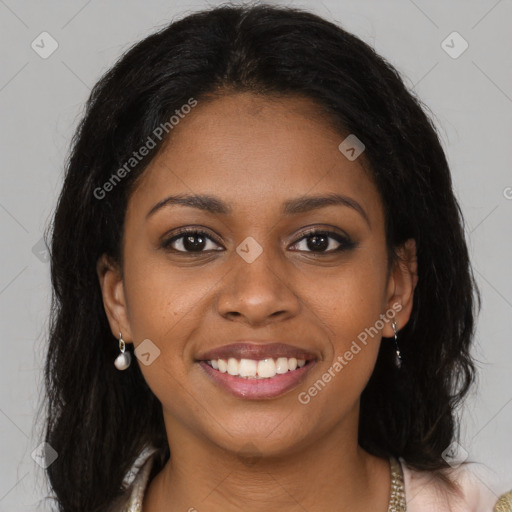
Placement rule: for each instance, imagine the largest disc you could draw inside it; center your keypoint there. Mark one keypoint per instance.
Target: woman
(252, 202)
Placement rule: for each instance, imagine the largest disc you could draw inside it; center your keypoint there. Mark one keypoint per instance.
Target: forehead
(255, 152)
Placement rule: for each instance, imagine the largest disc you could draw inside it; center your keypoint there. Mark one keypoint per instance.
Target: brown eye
(323, 242)
(190, 241)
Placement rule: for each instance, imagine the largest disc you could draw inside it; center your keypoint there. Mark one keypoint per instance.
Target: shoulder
(426, 491)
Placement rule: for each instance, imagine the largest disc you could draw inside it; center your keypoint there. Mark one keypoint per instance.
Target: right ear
(114, 301)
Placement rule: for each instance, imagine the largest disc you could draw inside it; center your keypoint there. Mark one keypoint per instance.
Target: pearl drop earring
(124, 359)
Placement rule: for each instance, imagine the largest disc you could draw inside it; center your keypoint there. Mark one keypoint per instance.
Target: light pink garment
(425, 493)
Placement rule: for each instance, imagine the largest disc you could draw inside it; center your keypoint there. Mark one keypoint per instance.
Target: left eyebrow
(308, 203)
(304, 204)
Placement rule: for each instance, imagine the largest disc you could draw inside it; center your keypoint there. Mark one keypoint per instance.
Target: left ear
(401, 284)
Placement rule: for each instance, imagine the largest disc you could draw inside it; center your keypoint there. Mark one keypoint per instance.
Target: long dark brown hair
(99, 419)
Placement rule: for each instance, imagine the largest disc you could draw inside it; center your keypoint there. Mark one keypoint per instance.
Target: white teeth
(266, 368)
(247, 368)
(257, 369)
(223, 365)
(282, 365)
(233, 366)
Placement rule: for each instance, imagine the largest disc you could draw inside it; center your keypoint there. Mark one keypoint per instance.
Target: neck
(331, 473)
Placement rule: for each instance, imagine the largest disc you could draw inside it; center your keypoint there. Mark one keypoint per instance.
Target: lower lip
(258, 389)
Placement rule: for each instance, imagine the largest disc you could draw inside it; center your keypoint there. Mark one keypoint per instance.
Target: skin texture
(254, 153)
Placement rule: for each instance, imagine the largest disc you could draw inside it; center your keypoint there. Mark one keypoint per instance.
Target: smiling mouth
(266, 368)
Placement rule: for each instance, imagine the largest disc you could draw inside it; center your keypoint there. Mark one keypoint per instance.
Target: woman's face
(254, 274)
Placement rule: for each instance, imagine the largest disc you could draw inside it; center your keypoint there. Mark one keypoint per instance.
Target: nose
(257, 293)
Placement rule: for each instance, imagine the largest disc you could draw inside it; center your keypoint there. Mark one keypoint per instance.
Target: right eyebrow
(202, 202)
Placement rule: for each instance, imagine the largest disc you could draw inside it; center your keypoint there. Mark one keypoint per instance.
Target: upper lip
(256, 350)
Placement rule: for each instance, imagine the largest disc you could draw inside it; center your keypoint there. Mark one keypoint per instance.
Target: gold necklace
(397, 495)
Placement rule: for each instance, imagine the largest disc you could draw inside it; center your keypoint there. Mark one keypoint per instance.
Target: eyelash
(345, 242)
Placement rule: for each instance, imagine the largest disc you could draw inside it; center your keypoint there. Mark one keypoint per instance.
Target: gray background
(41, 101)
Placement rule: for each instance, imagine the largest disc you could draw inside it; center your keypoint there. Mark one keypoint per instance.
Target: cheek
(349, 300)
(160, 306)
(349, 314)
(158, 299)
(350, 306)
